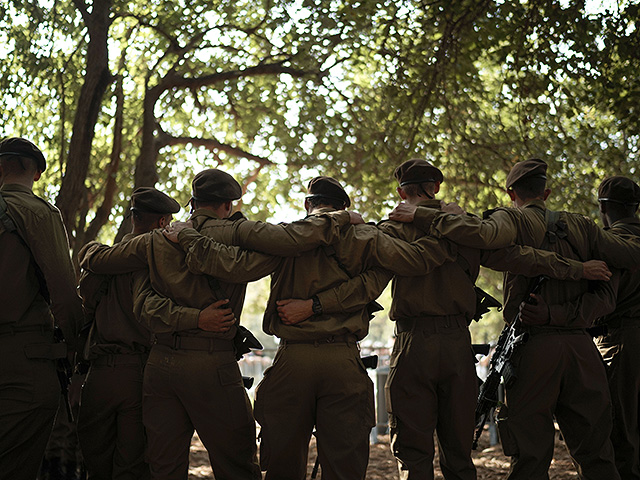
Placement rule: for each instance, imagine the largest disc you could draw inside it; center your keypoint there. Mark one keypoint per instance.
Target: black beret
(148, 199)
(213, 185)
(532, 168)
(620, 190)
(328, 187)
(24, 148)
(417, 170)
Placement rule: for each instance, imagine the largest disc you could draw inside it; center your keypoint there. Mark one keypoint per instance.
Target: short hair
(620, 210)
(145, 220)
(415, 189)
(319, 201)
(531, 187)
(214, 204)
(19, 165)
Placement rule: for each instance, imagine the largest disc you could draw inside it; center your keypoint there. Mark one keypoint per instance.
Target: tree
(127, 94)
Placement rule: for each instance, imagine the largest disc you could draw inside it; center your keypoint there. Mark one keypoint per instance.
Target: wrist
(316, 306)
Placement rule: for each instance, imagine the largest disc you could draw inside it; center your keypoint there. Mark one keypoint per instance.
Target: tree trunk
(72, 196)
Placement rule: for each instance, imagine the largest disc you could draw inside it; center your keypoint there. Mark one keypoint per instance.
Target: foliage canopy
(121, 94)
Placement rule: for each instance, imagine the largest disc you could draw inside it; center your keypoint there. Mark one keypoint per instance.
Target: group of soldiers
(164, 337)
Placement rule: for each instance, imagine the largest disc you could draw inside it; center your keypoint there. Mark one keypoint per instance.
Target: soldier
(432, 384)
(110, 427)
(559, 370)
(37, 288)
(620, 346)
(192, 379)
(317, 378)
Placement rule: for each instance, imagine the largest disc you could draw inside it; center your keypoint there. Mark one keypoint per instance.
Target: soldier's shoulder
(493, 211)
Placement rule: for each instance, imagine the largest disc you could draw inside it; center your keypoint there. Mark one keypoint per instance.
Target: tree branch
(174, 80)
(212, 144)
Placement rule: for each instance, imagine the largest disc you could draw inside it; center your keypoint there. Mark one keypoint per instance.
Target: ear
(402, 193)
(603, 207)
(307, 207)
(37, 175)
(547, 191)
(164, 221)
(512, 194)
(436, 188)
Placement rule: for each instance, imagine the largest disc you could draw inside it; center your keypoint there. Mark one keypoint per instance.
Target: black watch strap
(316, 305)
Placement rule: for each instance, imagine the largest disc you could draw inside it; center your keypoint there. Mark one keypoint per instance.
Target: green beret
(328, 187)
(23, 148)
(213, 185)
(620, 190)
(417, 170)
(532, 168)
(148, 199)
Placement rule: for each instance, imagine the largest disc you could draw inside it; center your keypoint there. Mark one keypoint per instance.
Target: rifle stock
(511, 338)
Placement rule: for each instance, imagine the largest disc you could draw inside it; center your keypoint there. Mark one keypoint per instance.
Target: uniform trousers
(110, 427)
(323, 385)
(29, 398)
(559, 374)
(432, 387)
(620, 349)
(202, 390)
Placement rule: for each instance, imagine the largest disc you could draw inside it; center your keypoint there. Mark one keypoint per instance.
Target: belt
(207, 344)
(349, 338)
(113, 359)
(13, 329)
(533, 330)
(623, 322)
(432, 323)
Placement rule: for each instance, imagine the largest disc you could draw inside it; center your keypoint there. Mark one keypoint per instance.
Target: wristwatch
(316, 306)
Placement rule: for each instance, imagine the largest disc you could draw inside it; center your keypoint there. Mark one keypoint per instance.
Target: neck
(415, 200)
(318, 208)
(16, 180)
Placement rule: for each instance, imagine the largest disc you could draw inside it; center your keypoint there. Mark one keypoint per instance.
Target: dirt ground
(489, 461)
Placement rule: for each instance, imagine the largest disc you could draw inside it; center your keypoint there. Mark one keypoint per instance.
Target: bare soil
(489, 460)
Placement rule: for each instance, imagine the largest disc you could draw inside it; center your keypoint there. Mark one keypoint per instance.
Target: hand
(293, 310)
(355, 218)
(452, 208)
(404, 212)
(172, 231)
(536, 312)
(216, 319)
(596, 270)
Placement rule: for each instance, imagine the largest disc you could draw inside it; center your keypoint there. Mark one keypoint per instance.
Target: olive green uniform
(620, 348)
(317, 378)
(432, 384)
(559, 369)
(110, 427)
(192, 379)
(29, 388)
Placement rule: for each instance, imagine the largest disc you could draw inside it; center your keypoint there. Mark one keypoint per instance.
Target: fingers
(286, 301)
(219, 304)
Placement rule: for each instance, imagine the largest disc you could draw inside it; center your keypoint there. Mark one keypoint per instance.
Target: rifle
(64, 371)
(244, 341)
(511, 338)
(371, 362)
(484, 302)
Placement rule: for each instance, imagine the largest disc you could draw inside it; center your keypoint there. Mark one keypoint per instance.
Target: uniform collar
(539, 204)
(321, 210)
(15, 187)
(627, 221)
(430, 203)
